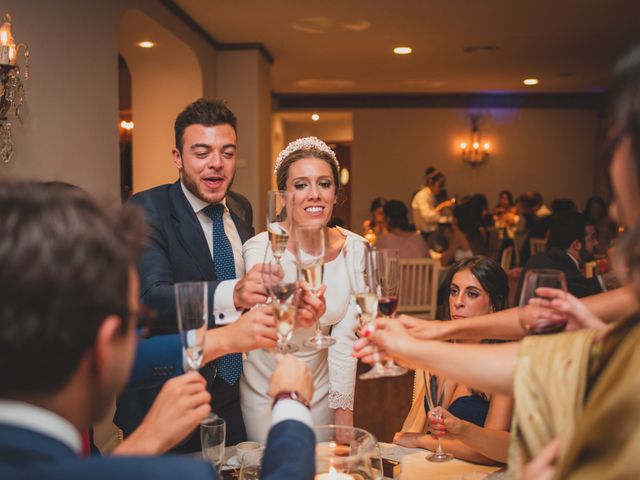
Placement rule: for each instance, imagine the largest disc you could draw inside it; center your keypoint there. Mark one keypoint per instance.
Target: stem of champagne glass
(439, 449)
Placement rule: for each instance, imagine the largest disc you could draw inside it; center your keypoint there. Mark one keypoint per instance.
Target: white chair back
(507, 257)
(419, 287)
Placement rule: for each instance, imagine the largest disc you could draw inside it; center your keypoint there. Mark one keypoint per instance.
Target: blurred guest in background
(541, 209)
(375, 224)
(425, 207)
(401, 235)
(505, 203)
(467, 239)
(597, 213)
(571, 243)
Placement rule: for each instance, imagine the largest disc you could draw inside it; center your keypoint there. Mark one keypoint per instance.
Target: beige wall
(70, 133)
(244, 82)
(551, 151)
(340, 130)
(158, 93)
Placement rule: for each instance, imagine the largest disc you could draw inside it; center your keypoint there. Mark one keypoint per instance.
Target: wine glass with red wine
(387, 270)
(532, 317)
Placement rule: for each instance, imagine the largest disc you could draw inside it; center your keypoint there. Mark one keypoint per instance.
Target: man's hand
(543, 466)
(249, 290)
(291, 375)
(176, 411)
(254, 329)
(311, 306)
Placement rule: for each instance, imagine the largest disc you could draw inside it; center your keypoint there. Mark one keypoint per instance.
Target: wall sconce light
(474, 151)
(12, 82)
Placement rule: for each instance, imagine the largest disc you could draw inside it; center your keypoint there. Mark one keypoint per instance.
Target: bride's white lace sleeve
(342, 364)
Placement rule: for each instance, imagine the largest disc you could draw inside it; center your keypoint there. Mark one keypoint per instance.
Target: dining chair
(493, 242)
(537, 245)
(507, 257)
(518, 241)
(419, 287)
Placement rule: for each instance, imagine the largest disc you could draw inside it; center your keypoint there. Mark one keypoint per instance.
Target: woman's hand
(564, 303)
(443, 423)
(407, 439)
(543, 466)
(422, 329)
(388, 340)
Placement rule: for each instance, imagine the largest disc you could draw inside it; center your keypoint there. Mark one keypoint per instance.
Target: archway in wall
(164, 79)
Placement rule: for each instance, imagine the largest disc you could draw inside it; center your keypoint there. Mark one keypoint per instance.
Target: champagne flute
(278, 221)
(387, 261)
(434, 396)
(533, 280)
(212, 439)
(310, 250)
(192, 310)
(281, 282)
(361, 272)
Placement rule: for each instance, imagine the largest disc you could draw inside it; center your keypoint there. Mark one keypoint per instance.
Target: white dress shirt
(36, 419)
(287, 409)
(423, 207)
(224, 309)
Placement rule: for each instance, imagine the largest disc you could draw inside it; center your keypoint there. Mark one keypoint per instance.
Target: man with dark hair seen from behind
(571, 243)
(68, 317)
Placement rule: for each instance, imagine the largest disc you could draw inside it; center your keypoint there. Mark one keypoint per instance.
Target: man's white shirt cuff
(224, 310)
(287, 409)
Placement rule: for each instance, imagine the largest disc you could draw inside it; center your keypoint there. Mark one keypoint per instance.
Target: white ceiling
(345, 46)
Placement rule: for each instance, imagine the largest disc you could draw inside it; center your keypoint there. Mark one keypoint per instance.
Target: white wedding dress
(333, 369)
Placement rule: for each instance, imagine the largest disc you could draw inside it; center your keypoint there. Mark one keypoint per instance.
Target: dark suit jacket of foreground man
(177, 251)
(29, 455)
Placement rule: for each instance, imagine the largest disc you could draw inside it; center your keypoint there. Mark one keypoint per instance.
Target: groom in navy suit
(197, 228)
(68, 317)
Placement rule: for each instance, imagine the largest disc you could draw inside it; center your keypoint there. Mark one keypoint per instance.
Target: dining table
(415, 466)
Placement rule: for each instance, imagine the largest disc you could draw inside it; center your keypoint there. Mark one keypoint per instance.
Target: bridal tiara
(306, 143)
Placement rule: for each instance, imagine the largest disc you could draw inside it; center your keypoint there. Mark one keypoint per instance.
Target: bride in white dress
(309, 169)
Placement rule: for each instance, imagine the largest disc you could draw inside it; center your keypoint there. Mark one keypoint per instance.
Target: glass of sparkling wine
(361, 272)
(212, 439)
(310, 252)
(278, 221)
(387, 261)
(193, 312)
(434, 397)
(281, 282)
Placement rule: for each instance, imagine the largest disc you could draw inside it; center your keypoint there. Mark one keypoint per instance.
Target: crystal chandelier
(12, 84)
(474, 151)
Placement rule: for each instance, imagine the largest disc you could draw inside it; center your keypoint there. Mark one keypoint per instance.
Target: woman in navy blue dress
(473, 426)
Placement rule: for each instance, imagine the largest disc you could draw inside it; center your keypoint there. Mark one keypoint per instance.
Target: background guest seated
(571, 243)
(467, 239)
(401, 235)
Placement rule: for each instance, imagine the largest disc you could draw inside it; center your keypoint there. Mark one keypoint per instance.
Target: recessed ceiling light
(402, 50)
(530, 81)
(146, 44)
(315, 117)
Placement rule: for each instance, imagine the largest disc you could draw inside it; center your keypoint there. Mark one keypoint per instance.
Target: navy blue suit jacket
(28, 455)
(177, 251)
